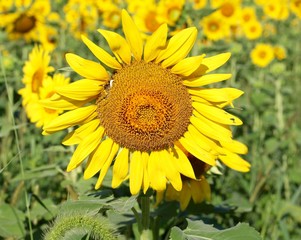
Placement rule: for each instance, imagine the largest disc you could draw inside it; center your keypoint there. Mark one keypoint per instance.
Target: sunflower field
(150, 119)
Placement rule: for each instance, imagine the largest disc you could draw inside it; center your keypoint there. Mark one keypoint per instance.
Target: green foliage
(202, 231)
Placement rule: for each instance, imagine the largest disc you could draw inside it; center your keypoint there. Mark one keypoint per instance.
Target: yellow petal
(196, 191)
(217, 94)
(182, 163)
(172, 174)
(156, 174)
(84, 149)
(206, 79)
(221, 129)
(189, 144)
(155, 43)
(145, 158)
(120, 168)
(70, 118)
(75, 137)
(98, 159)
(81, 90)
(61, 102)
(188, 65)
(87, 68)
(106, 166)
(207, 130)
(118, 45)
(101, 54)
(235, 162)
(235, 146)
(136, 172)
(132, 35)
(204, 142)
(178, 47)
(206, 189)
(216, 114)
(185, 196)
(211, 63)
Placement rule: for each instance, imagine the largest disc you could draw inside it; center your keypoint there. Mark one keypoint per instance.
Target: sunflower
(262, 55)
(229, 10)
(26, 20)
(214, 27)
(198, 4)
(252, 29)
(36, 112)
(170, 11)
(81, 16)
(35, 70)
(295, 7)
(280, 52)
(153, 98)
(196, 189)
(248, 14)
(278, 10)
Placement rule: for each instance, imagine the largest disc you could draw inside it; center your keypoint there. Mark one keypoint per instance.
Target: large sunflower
(153, 98)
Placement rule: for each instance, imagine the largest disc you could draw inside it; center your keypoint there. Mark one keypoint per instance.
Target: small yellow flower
(81, 16)
(295, 7)
(280, 52)
(262, 55)
(38, 86)
(198, 4)
(230, 11)
(214, 28)
(169, 11)
(154, 96)
(27, 20)
(248, 14)
(252, 29)
(277, 10)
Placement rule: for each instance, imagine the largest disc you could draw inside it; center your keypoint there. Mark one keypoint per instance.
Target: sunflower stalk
(145, 218)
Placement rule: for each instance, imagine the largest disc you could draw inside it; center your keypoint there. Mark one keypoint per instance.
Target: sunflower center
(23, 24)
(151, 22)
(227, 10)
(146, 109)
(213, 26)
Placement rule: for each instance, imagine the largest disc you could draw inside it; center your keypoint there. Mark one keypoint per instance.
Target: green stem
(145, 206)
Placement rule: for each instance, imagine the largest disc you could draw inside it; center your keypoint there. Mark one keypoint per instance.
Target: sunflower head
(153, 99)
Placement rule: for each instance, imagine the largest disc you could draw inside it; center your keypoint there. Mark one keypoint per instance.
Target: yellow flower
(262, 55)
(230, 11)
(248, 14)
(36, 112)
(27, 21)
(279, 52)
(295, 7)
(38, 85)
(214, 28)
(153, 98)
(111, 16)
(252, 29)
(81, 16)
(35, 71)
(198, 4)
(277, 10)
(169, 11)
(146, 17)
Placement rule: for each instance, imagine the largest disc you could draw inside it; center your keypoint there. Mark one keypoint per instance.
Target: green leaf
(201, 231)
(11, 221)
